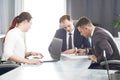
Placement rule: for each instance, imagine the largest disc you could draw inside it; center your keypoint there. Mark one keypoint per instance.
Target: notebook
(74, 56)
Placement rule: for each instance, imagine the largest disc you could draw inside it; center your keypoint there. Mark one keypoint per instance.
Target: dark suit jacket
(79, 41)
(103, 40)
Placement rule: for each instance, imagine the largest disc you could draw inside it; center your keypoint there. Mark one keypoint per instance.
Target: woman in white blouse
(14, 42)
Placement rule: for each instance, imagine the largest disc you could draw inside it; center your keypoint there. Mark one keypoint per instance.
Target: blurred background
(46, 14)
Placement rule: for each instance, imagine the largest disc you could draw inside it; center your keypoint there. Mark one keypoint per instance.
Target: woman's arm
(24, 60)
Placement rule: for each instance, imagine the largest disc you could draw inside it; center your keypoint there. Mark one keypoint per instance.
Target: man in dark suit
(102, 41)
(79, 43)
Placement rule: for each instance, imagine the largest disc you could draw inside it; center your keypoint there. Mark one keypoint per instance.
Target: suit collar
(93, 31)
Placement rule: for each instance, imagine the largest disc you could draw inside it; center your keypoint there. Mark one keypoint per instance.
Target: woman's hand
(33, 61)
(36, 54)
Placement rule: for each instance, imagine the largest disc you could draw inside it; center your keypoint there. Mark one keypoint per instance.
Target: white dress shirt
(14, 44)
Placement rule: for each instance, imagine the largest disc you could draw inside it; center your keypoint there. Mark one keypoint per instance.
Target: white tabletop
(65, 69)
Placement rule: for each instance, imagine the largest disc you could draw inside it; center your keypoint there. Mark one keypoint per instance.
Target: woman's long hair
(18, 19)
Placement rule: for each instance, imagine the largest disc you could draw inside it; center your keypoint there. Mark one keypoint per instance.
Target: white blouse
(14, 44)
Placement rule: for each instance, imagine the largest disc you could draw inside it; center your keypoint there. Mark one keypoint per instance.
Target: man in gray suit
(102, 41)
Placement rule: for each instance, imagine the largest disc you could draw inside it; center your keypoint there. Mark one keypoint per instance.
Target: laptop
(54, 51)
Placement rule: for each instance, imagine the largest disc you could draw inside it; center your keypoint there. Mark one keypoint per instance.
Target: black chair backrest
(7, 66)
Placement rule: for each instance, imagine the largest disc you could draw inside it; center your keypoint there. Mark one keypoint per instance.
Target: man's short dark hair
(83, 21)
(65, 17)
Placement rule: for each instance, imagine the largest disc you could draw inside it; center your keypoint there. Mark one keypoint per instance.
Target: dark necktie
(70, 41)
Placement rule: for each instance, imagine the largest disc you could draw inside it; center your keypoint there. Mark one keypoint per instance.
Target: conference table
(68, 68)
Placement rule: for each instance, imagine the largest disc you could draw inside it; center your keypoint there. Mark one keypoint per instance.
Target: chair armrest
(9, 66)
(114, 62)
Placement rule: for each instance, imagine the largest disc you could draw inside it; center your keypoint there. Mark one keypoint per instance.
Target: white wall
(46, 14)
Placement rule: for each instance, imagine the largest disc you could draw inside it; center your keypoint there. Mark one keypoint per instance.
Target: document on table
(73, 56)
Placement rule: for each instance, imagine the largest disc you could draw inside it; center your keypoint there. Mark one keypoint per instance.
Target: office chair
(6, 66)
(115, 65)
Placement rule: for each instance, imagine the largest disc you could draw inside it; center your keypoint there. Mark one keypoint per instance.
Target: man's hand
(81, 51)
(93, 58)
(69, 51)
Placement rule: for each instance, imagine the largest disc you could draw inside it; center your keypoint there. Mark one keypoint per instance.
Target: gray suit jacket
(103, 40)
